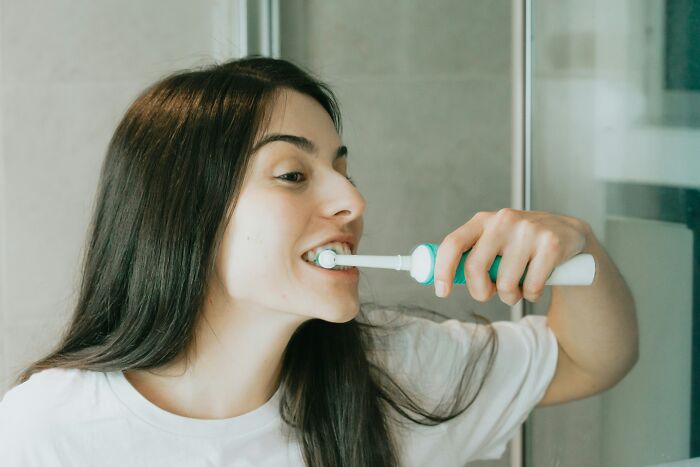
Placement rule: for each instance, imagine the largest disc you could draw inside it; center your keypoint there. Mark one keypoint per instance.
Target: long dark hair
(168, 185)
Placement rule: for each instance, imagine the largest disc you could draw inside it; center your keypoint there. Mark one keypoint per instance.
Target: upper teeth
(338, 247)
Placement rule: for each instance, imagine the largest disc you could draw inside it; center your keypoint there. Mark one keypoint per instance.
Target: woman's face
(295, 197)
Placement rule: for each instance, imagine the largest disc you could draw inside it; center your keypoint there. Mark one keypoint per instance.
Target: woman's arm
(596, 327)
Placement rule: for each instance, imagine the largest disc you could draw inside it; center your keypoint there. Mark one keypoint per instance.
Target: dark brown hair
(168, 186)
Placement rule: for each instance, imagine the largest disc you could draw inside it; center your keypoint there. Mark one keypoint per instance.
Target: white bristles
(326, 259)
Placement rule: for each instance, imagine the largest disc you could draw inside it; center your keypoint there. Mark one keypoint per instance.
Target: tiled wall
(424, 88)
(69, 69)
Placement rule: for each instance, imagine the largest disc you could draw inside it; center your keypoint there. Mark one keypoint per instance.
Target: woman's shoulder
(421, 347)
(415, 322)
(55, 381)
(47, 393)
(408, 339)
(40, 417)
(411, 325)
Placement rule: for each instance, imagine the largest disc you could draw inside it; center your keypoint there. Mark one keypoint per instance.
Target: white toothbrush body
(579, 270)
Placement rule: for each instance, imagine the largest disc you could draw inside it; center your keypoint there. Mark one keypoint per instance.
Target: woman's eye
(290, 173)
(286, 179)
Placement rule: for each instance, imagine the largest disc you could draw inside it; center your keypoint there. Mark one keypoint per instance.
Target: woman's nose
(347, 201)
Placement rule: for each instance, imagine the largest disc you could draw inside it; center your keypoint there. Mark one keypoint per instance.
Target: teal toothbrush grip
(459, 275)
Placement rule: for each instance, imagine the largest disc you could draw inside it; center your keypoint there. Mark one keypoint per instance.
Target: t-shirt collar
(149, 412)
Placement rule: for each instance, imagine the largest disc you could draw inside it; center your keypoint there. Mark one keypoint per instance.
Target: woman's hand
(542, 239)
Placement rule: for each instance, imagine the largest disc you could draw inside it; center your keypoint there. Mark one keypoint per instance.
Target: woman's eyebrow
(302, 143)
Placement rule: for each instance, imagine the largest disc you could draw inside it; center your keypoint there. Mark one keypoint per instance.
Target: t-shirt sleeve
(431, 358)
(27, 426)
(16, 442)
(523, 367)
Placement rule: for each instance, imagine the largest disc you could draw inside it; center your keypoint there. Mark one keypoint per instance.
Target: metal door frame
(521, 151)
(258, 27)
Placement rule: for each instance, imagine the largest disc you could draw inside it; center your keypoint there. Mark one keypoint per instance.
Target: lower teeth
(334, 268)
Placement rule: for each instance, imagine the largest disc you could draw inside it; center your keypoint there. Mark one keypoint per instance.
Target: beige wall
(425, 96)
(69, 69)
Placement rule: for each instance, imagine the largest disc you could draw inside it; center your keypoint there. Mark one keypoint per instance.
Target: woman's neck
(234, 367)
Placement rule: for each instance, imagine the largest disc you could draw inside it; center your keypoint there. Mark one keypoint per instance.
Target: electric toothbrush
(579, 270)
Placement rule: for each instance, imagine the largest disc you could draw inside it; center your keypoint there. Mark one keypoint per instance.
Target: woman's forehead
(303, 118)
(293, 110)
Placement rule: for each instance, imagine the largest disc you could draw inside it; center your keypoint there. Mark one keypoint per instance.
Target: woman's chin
(339, 313)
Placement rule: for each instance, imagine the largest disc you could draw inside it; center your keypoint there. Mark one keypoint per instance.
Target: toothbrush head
(326, 259)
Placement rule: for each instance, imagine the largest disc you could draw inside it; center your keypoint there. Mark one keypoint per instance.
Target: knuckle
(480, 215)
(472, 267)
(506, 284)
(528, 225)
(506, 214)
(551, 241)
(450, 242)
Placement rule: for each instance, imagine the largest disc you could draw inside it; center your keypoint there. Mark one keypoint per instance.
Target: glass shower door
(615, 141)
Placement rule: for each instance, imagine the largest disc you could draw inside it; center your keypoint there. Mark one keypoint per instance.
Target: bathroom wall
(425, 97)
(68, 71)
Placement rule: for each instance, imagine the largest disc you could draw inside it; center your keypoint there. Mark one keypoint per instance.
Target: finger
(513, 262)
(476, 269)
(451, 249)
(539, 269)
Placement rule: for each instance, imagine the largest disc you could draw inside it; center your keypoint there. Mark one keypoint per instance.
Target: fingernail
(440, 288)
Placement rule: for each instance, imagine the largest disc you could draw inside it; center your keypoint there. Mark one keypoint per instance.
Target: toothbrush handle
(579, 270)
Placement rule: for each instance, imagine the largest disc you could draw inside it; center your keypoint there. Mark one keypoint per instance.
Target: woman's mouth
(338, 247)
(338, 271)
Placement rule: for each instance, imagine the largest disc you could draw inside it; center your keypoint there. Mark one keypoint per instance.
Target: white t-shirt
(67, 417)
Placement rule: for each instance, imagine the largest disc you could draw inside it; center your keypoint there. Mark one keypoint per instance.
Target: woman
(203, 336)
